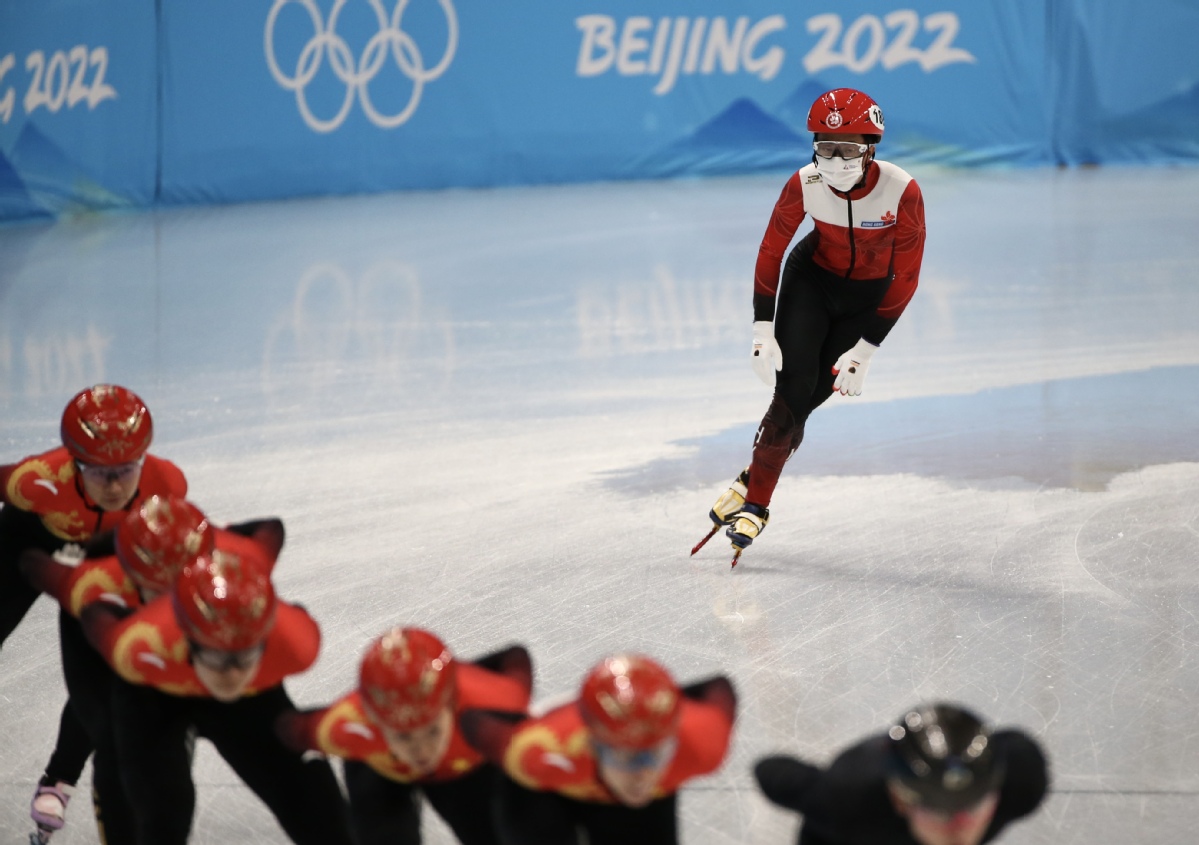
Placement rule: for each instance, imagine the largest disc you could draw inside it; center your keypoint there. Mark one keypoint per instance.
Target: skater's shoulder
(41, 483)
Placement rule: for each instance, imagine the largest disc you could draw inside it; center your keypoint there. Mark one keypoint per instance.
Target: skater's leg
(529, 817)
(382, 811)
(463, 804)
(151, 732)
(18, 530)
(56, 785)
(303, 795)
(614, 824)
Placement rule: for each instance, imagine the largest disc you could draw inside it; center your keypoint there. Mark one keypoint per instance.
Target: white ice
(504, 415)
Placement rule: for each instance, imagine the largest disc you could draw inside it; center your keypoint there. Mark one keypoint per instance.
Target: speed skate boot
(746, 525)
(48, 809)
(725, 510)
(730, 501)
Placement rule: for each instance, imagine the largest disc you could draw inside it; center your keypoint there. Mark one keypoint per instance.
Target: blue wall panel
(1126, 81)
(78, 105)
(227, 100)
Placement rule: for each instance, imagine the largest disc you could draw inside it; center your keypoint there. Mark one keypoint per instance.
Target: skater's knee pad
(794, 394)
(780, 426)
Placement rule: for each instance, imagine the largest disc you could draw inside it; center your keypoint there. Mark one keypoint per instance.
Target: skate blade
(706, 538)
(736, 557)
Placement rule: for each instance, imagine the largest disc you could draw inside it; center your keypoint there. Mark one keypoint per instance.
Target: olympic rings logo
(391, 40)
(376, 322)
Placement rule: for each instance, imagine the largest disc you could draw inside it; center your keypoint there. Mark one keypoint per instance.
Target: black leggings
(385, 812)
(527, 817)
(16, 597)
(19, 530)
(87, 725)
(820, 316)
(152, 729)
(73, 745)
(80, 724)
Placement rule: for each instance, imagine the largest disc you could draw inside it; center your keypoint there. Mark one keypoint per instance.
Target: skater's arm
(267, 533)
(101, 545)
(5, 472)
(786, 781)
(490, 731)
(1027, 779)
(298, 729)
(47, 575)
(102, 623)
(906, 259)
(164, 476)
(717, 691)
(513, 662)
(788, 213)
(292, 645)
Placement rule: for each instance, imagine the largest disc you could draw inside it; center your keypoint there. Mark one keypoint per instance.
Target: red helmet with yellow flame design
(846, 111)
(629, 701)
(406, 679)
(161, 536)
(224, 600)
(105, 425)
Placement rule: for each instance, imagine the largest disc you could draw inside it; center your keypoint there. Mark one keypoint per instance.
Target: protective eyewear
(958, 817)
(219, 660)
(108, 473)
(632, 760)
(845, 149)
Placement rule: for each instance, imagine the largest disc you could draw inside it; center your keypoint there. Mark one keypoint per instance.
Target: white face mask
(840, 173)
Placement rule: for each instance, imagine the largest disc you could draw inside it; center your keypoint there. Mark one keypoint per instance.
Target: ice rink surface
(504, 415)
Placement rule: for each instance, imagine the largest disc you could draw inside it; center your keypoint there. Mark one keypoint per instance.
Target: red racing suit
(343, 729)
(554, 752)
(48, 485)
(148, 648)
(871, 232)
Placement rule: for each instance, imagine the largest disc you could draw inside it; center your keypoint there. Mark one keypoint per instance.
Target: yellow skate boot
(746, 525)
(731, 501)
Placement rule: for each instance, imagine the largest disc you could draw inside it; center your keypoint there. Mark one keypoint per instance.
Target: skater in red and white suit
(211, 657)
(399, 738)
(843, 287)
(608, 765)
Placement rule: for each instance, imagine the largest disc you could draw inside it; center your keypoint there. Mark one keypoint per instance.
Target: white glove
(768, 358)
(71, 554)
(851, 368)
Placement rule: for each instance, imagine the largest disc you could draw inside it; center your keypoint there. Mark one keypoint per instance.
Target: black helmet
(944, 755)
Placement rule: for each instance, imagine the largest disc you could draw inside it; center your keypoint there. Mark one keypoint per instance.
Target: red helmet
(845, 111)
(629, 701)
(106, 424)
(407, 678)
(159, 538)
(225, 600)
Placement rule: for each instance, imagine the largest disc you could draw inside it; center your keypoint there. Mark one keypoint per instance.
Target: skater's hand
(850, 369)
(72, 554)
(767, 356)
